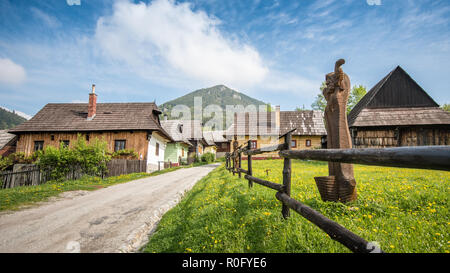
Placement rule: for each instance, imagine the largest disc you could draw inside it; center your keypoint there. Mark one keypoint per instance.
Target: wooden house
(222, 144)
(265, 128)
(176, 151)
(131, 126)
(398, 112)
(7, 143)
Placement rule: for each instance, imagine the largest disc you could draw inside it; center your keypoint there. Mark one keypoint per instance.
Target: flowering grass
(18, 197)
(404, 210)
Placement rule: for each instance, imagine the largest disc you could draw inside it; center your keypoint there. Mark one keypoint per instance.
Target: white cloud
(373, 2)
(47, 19)
(11, 73)
(73, 2)
(170, 37)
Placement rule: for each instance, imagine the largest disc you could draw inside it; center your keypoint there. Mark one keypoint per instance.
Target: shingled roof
(5, 138)
(307, 122)
(397, 90)
(72, 117)
(175, 129)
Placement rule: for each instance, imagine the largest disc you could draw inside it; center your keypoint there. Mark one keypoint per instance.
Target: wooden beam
(426, 157)
(334, 230)
(266, 183)
(262, 150)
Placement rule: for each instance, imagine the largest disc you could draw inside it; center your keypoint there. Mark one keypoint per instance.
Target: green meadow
(404, 210)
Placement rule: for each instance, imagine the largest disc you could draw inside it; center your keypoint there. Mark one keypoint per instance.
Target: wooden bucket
(328, 188)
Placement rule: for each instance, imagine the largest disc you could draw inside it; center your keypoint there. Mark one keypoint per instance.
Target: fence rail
(32, 175)
(427, 157)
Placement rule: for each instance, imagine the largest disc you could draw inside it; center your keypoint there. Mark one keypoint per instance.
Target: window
(182, 152)
(38, 145)
(253, 144)
(157, 149)
(308, 143)
(119, 145)
(65, 143)
(52, 137)
(87, 137)
(293, 143)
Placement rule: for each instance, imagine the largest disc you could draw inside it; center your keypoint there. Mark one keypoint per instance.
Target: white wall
(152, 159)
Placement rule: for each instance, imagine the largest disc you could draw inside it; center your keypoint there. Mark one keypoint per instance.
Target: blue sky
(273, 50)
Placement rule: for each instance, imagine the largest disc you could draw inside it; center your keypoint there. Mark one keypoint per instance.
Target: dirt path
(113, 219)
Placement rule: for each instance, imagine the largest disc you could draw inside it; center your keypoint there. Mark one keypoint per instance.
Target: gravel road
(114, 219)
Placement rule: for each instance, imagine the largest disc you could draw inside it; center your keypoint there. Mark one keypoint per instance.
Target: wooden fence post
(287, 175)
(240, 163)
(249, 164)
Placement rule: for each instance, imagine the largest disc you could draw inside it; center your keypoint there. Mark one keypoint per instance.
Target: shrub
(125, 154)
(208, 157)
(88, 158)
(5, 162)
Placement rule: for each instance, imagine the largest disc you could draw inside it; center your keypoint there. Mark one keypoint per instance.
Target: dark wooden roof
(402, 117)
(307, 122)
(395, 90)
(72, 117)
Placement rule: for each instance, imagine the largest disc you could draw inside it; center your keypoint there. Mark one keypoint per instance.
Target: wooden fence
(425, 157)
(32, 175)
(124, 166)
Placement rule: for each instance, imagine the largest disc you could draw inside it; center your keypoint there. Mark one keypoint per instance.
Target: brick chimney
(277, 116)
(92, 107)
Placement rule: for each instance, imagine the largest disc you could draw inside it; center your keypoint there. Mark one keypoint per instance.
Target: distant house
(7, 143)
(398, 112)
(133, 126)
(177, 150)
(222, 144)
(264, 129)
(210, 146)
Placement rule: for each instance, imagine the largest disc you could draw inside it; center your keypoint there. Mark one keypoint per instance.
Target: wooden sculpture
(340, 185)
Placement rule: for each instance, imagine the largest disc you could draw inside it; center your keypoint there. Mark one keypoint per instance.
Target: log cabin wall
(403, 136)
(136, 140)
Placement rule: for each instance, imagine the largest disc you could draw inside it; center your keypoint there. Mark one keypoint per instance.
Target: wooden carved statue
(341, 182)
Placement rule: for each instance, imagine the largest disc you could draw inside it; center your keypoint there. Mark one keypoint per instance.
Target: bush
(125, 154)
(90, 159)
(208, 157)
(5, 162)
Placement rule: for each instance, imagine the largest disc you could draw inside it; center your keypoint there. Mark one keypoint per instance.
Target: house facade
(398, 112)
(131, 126)
(176, 151)
(265, 129)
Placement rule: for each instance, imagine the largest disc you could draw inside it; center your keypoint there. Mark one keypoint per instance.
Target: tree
(357, 93)
(446, 107)
(355, 96)
(303, 108)
(320, 102)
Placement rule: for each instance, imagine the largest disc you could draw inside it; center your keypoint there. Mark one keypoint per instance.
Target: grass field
(404, 210)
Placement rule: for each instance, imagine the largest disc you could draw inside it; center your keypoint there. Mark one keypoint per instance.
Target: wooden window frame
(306, 143)
(65, 142)
(157, 149)
(38, 145)
(118, 147)
(253, 144)
(294, 141)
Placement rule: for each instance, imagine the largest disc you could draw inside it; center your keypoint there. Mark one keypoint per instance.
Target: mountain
(21, 114)
(219, 95)
(9, 119)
